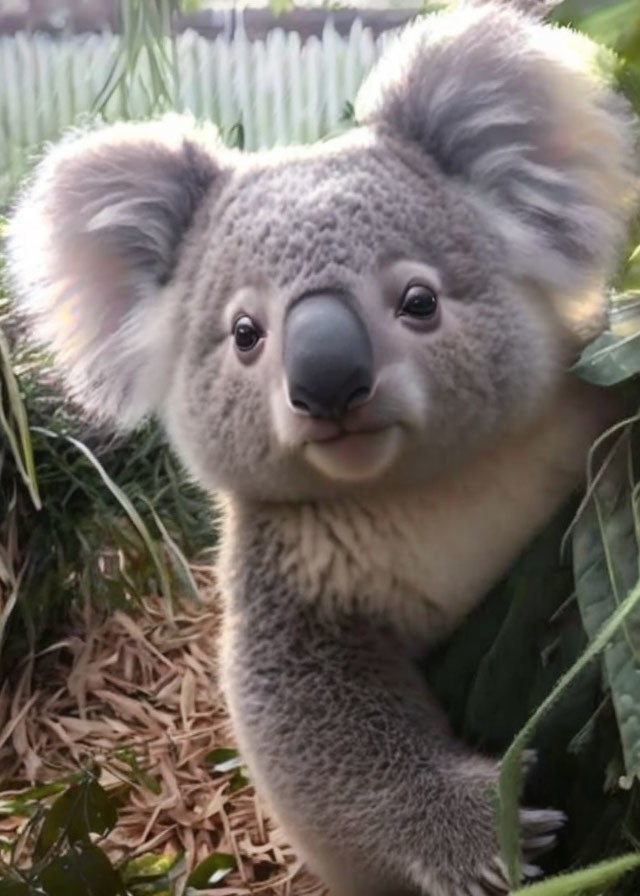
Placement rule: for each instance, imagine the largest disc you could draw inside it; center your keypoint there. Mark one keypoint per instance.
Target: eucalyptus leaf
(11, 887)
(510, 782)
(150, 868)
(84, 871)
(137, 774)
(609, 359)
(81, 810)
(211, 870)
(606, 563)
(224, 759)
(238, 781)
(41, 791)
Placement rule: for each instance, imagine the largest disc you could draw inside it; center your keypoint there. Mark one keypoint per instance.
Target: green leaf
(33, 795)
(84, 871)
(238, 781)
(80, 811)
(609, 359)
(587, 880)
(236, 135)
(182, 564)
(211, 870)
(348, 113)
(12, 887)
(606, 562)
(138, 775)
(15, 807)
(511, 776)
(224, 759)
(143, 869)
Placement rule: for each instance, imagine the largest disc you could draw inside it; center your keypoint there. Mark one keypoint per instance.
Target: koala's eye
(246, 333)
(419, 301)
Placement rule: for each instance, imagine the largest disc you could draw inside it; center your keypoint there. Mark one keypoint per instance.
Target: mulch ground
(147, 682)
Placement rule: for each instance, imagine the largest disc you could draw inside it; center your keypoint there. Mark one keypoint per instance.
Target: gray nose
(328, 359)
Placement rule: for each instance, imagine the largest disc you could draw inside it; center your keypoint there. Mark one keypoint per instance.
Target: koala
(362, 347)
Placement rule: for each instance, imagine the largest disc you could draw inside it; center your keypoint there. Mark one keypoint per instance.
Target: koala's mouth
(354, 456)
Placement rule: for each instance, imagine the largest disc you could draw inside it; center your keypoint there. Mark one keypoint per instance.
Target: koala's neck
(421, 557)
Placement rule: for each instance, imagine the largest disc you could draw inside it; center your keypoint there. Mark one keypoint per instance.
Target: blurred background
(266, 73)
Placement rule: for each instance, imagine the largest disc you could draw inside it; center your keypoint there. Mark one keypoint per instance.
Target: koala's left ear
(95, 239)
(518, 114)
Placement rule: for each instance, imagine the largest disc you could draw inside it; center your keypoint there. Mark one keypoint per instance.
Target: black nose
(328, 359)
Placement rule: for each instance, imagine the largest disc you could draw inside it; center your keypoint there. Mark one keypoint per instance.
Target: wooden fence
(270, 91)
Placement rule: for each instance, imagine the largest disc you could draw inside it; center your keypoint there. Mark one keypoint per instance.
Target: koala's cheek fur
(490, 364)
(218, 421)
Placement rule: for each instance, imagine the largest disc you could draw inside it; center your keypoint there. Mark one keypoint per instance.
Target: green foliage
(615, 25)
(148, 42)
(65, 837)
(606, 561)
(610, 359)
(68, 532)
(580, 883)
(224, 760)
(211, 871)
(511, 778)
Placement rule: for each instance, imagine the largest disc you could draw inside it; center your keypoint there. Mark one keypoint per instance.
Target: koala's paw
(538, 833)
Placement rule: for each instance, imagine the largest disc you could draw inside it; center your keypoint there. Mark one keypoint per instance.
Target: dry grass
(146, 681)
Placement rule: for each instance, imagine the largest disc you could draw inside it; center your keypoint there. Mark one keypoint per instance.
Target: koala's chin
(355, 457)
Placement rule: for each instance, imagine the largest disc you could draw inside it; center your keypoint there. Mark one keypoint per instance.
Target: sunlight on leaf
(211, 870)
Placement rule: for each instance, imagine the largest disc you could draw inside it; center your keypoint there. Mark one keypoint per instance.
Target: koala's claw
(539, 831)
(493, 880)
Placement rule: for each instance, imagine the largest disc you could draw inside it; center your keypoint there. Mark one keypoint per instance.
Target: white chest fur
(425, 556)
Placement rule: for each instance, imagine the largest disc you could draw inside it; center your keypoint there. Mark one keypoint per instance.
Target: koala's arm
(355, 757)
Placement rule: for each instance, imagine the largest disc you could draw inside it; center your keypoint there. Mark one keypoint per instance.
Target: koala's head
(360, 312)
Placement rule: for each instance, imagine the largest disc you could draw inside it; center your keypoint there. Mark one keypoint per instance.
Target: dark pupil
(245, 334)
(420, 302)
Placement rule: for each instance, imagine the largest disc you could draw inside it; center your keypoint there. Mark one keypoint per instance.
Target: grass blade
(127, 506)
(586, 880)
(20, 443)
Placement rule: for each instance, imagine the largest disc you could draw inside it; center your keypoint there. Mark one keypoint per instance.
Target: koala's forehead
(341, 211)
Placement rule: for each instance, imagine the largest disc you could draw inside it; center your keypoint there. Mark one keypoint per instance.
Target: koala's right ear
(94, 239)
(523, 118)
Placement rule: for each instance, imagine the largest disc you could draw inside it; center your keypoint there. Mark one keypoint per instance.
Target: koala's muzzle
(328, 357)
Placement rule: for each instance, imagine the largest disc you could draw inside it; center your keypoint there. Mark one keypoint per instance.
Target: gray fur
(104, 218)
(490, 95)
(344, 739)
(487, 168)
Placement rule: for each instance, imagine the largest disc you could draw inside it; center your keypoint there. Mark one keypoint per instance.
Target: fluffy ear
(94, 239)
(519, 113)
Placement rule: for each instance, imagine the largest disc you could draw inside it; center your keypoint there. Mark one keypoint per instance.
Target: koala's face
(363, 312)
(347, 324)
